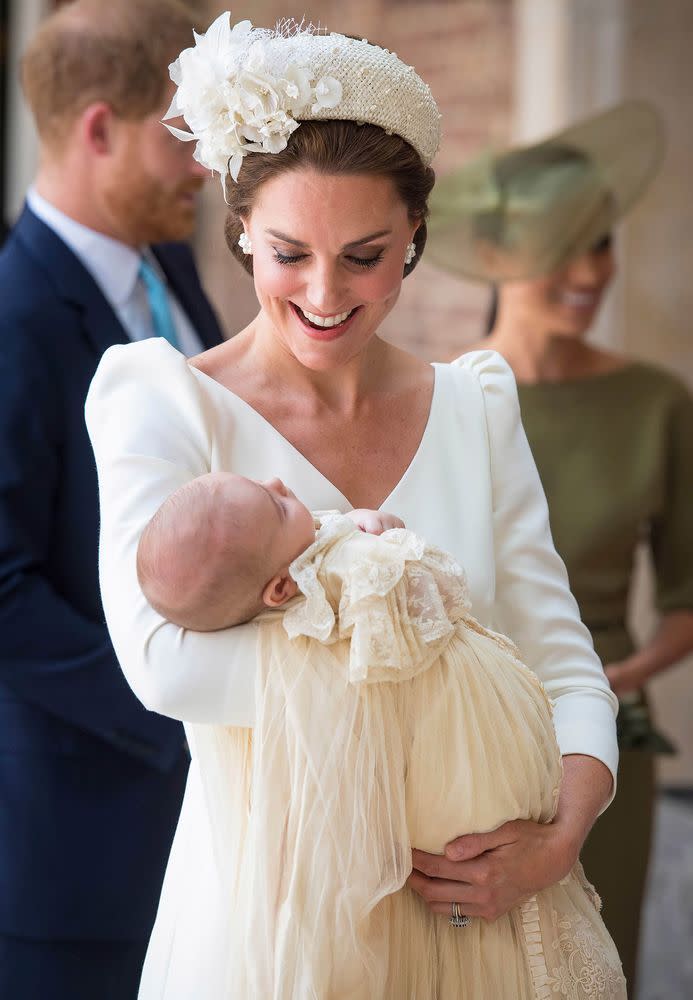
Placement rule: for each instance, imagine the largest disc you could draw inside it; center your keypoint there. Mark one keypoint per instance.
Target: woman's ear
(279, 590)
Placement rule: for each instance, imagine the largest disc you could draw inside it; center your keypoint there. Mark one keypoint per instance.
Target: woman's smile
(324, 327)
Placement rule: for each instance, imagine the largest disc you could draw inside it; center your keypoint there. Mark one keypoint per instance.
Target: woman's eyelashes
(365, 262)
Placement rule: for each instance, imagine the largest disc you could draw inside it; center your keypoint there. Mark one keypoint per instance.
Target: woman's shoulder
(487, 369)
(656, 378)
(145, 362)
(149, 384)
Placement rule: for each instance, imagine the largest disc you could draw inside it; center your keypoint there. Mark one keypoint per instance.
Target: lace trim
(586, 969)
(535, 949)
(394, 598)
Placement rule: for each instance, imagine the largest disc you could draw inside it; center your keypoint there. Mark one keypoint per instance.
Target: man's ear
(279, 590)
(98, 124)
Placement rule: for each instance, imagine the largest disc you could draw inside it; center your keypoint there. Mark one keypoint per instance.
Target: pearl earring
(244, 243)
(410, 253)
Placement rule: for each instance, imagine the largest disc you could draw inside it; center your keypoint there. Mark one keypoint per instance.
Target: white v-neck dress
(471, 489)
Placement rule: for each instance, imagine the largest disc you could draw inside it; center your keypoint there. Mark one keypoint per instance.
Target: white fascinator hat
(244, 90)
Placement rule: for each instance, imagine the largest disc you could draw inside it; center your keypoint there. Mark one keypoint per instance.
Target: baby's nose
(276, 485)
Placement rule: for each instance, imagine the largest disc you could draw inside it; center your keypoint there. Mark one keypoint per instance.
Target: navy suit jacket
(90, 782)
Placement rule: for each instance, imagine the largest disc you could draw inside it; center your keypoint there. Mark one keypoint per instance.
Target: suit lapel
(72, 282)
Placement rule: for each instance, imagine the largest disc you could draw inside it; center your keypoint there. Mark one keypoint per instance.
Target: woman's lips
(323, 332)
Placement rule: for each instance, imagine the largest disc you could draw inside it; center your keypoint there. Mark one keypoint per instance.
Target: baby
(386, 716)
(218, 550)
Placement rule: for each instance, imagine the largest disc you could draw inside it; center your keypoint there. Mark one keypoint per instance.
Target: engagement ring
(458, 919)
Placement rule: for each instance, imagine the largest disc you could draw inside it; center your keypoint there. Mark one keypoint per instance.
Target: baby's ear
(279, 590)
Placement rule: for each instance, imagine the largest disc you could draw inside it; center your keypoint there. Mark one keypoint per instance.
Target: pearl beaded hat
(244, 90)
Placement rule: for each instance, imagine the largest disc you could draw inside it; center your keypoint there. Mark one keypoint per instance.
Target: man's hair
(116, 51)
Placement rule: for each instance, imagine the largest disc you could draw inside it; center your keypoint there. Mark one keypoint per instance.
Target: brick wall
(464, 50)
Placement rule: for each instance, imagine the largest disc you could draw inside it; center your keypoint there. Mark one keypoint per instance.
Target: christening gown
(472, 490)
(388, 717)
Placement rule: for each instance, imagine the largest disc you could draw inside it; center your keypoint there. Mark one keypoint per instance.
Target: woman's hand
(671, 642)
(375, 521)
(627, 676)
(490, 873)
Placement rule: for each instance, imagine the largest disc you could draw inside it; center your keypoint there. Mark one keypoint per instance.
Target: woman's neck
(341, 388)
(538, 355)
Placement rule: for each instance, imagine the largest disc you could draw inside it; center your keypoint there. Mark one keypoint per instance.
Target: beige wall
(464, 51)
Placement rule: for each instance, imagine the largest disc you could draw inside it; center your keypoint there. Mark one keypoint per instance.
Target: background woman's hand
(671, 642)
(627, 676)
(490, 873)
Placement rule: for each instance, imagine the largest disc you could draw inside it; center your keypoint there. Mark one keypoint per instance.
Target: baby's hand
(375, 521)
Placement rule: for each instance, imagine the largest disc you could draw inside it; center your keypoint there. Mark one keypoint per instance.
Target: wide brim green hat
(528, 210)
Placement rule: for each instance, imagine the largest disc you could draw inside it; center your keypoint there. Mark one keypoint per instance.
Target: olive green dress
(615, 455)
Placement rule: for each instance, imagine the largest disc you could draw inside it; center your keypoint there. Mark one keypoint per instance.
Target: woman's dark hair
(492, 313)
(334, 147)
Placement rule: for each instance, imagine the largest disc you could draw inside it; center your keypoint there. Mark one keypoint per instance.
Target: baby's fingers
(390, 521)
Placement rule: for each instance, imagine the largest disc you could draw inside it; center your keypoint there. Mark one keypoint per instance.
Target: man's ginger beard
(146, 209)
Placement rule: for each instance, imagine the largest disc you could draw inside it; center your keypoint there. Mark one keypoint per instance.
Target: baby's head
(218, 550)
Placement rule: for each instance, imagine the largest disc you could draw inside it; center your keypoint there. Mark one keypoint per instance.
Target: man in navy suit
(90, 782)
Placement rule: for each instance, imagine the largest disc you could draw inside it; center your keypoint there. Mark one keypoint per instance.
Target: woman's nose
(325, 290)
(589, 268)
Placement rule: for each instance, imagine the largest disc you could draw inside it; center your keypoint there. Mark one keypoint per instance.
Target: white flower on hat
(235, 102)
(328, 94)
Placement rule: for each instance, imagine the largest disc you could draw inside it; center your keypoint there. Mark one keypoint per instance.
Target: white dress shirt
(114, 266)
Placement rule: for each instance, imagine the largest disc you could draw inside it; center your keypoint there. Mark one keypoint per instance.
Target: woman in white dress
(329, 220)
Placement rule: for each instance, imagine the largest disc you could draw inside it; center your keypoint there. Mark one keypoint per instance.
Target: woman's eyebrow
(353, 243)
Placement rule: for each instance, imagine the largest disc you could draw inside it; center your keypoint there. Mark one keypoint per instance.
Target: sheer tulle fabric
(388, 718)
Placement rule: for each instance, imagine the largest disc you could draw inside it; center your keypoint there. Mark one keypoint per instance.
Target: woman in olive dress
(612, 437)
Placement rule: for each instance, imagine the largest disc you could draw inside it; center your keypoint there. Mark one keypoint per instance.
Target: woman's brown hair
(334, 147)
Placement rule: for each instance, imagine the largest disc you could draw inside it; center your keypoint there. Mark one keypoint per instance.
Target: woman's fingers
(435, 865)
(474, 844)
(439, 894)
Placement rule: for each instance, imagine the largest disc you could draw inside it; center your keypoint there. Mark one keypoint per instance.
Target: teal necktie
(157, 296)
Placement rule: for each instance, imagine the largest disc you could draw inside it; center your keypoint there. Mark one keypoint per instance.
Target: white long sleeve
(155, 424)
(533, 602)
(148, 424)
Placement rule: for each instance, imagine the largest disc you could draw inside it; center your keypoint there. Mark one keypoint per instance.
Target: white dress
(471, 489)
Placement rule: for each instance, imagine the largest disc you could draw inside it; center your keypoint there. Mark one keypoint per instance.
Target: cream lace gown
(386, 717)
(471, 489)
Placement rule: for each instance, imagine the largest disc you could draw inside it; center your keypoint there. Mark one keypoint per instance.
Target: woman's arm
(152, 431)
(535, 608)
(671, 539)
(533, 603)
(671, 642)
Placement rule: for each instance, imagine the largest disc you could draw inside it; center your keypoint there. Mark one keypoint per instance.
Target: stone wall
(464, 50)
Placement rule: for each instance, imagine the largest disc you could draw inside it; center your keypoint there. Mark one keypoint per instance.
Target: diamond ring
(458, 919)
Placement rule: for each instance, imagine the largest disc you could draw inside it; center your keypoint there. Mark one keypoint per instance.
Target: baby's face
(272, 513)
